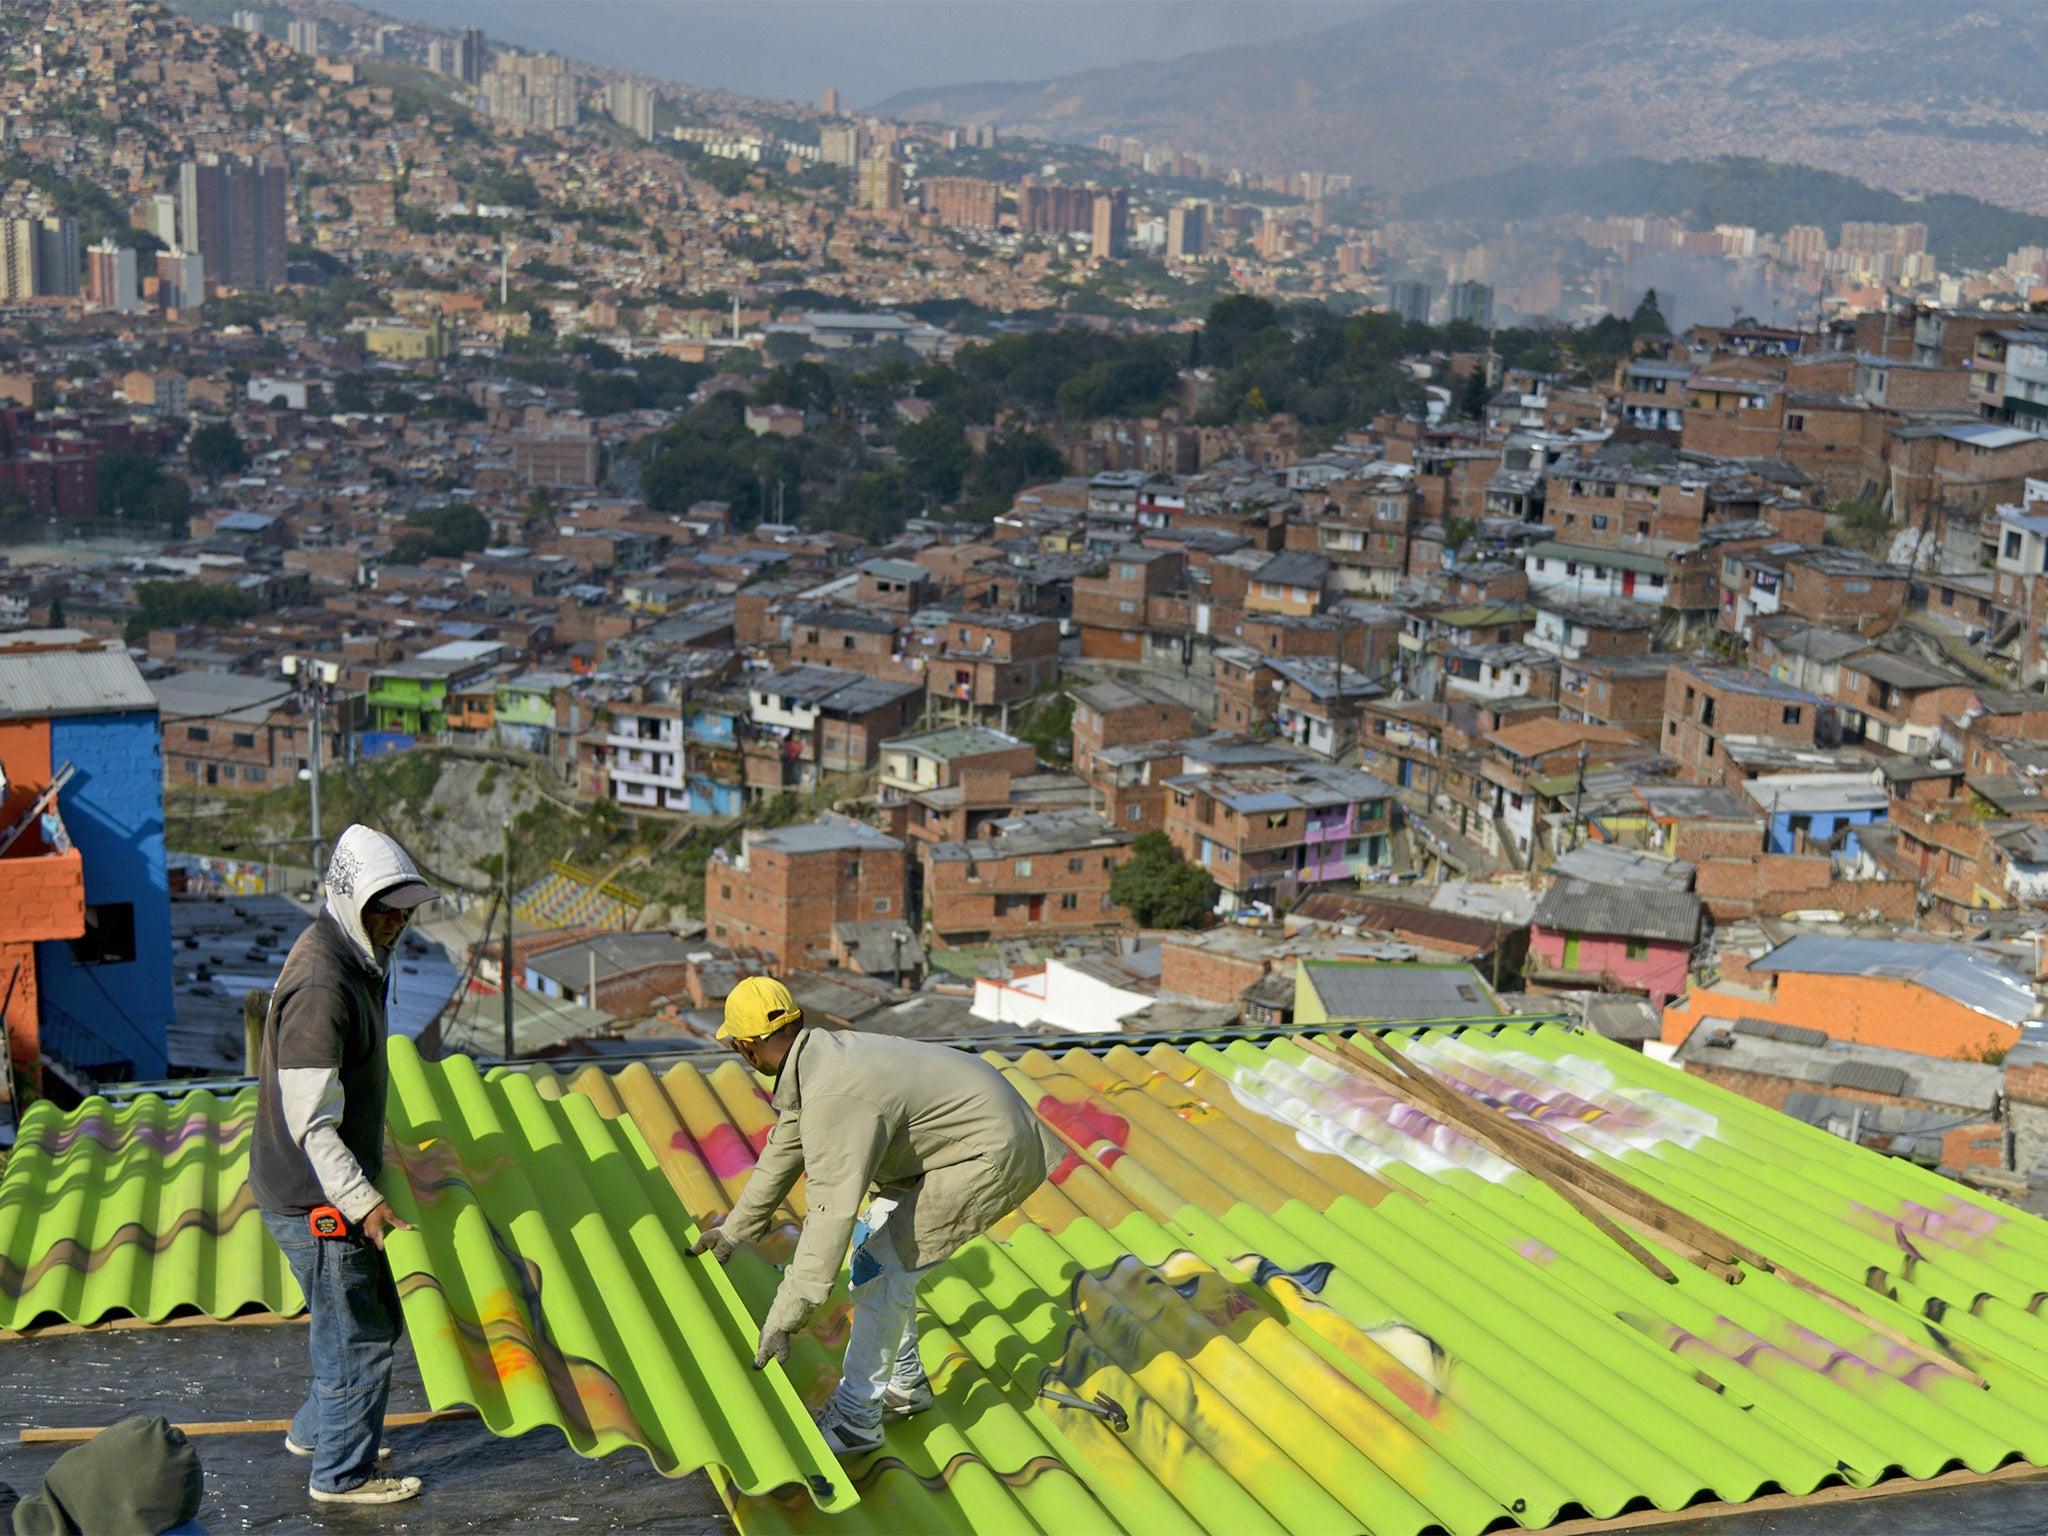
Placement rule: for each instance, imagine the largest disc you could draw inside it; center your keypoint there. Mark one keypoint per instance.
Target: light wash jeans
(881, 1347)
(354, 1321)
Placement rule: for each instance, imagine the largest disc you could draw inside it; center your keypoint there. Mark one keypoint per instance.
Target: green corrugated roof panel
(141, 1211)
(1319, 1308)
(1322, 1310)
(547, 1284)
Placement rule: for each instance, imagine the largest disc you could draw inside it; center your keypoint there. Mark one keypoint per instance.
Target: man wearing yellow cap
(943, 1141)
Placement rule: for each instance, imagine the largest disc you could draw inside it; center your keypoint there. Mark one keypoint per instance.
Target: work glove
(717, 1242)
(788, 1315)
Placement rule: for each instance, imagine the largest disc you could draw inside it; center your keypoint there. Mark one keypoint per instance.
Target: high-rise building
(110, 278)
(881, 184)
(1472, 303)
(231, 211)
(631, 106)
(160, 216)
(1187, 231)
(831, 101)
(469, 56)
(532, 91)
(385, 45)
(440, 56)
(1109, 218)
(1804, 243)
(1048, 208)
(842, 146)
(248, 21)
(303, 36)
(1410, 301)
(181, 279)
(57, 256)
(20, 258)
(965, 202)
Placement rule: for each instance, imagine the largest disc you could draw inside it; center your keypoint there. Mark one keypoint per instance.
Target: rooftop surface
(1316, 1307)
(1956, 973)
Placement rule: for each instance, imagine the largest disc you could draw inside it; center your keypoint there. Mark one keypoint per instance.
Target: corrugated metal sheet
(1319, 1308)
(1322, 1310)
(142, 1211)
(1976, 981)
(547, 1283)
(47, 684)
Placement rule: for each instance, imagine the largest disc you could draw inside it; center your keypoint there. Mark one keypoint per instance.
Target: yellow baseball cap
(758, 1006)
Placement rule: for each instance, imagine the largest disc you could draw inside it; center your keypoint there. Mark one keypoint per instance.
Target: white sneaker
(902, 1402)
(383, 1451)
(377, 1490)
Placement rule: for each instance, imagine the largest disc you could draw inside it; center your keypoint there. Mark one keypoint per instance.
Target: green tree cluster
(135, 489)
(451, 531)
(169, 604)
(1159, 888)
(216, 450)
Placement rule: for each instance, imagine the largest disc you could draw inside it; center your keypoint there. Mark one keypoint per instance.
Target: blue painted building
(1812, 812)
(106, 999)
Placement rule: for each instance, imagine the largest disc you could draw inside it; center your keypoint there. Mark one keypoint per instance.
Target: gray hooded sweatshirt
(321, 1081)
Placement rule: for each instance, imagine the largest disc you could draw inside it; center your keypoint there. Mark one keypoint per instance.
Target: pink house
(1614, 938)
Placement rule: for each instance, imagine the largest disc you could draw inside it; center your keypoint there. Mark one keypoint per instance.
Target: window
(191, 765)
(846, 642)
(1599, 521)
(1795, 423)
(1792, 713)
(2012, 546)
(1022, 867)
(1069, 902)
(195, 733)
(1276, 818)
(1134, 813)
(1638, 949)
(1642, 525)
(253, 775)
(853, 869)
(1108, 862)
(721, 930)
(725, 893)
(1074, 866)
(881, 903)
(1670, 727)
(1128, 573)
(966, 635)
(246, 740)
(109, 937)
(810, 637)
(1126, 607)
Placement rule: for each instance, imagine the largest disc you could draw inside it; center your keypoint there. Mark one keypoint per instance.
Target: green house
(412, 696)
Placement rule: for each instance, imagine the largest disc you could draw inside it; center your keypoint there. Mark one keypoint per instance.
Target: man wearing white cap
(317, 1150)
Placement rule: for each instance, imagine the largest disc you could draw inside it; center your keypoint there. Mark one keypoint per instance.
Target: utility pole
(1579, 800)
(505, 954)
(313, 782)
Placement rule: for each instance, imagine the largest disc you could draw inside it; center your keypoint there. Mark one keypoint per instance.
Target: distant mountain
(1911, 98)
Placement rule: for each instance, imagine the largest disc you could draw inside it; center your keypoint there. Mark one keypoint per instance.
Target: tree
(1013, 461)
(1159, 888)
(1648, 320)
(936, 456)
(1472, 405)
(216, 450)
(56, 613)
(451, 531)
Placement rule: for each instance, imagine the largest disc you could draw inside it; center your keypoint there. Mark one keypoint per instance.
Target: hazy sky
(872, 49)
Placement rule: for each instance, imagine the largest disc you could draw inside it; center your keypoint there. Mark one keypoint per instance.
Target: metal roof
(546, 1282)
(1639, 911)
(1397, 991)
(1318, 1308)
(219, 696)
(1958, 974)
(1612, 865)
(49, 684)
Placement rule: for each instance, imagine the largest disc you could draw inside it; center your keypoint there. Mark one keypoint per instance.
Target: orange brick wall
(1869, 1010)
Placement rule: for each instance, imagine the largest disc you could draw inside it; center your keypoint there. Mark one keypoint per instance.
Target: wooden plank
(1822, 1498)
(73, 1434)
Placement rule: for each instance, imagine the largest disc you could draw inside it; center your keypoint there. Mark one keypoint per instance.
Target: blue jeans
(354, 1321)
(881, 1347)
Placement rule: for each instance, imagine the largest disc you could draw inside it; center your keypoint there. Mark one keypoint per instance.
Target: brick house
(1704, 703)
(1569, 630)
(1931, 998)
(1123, 714)
(786, 888)
(228, 731)
(1899, 702)
(854, 639)
(1844, 588)
(896, 586)
(933, 759)
(1623, 692)
(1027, 875)
(1255, 829)
(1614, 938)
(1111, 609)
(1953, 1106)
(813, 721)
(985, 662)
